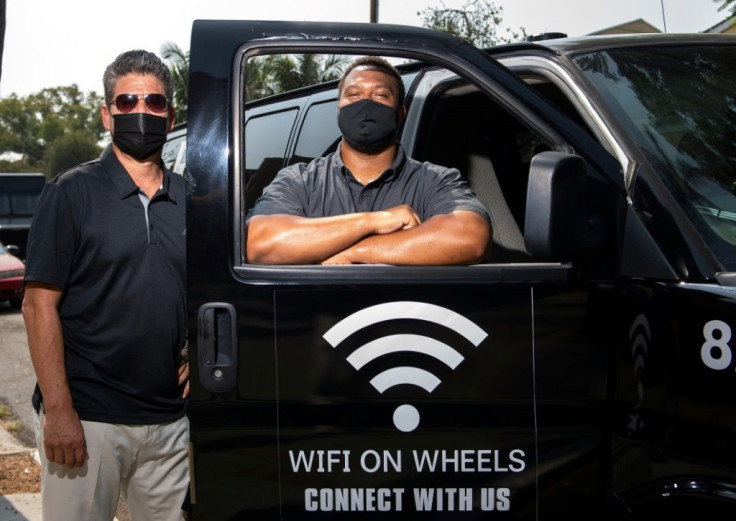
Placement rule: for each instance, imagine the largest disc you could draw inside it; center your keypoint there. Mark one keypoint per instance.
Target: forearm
(284, 239)
(63, 433)
(46, 348)
(442, 240)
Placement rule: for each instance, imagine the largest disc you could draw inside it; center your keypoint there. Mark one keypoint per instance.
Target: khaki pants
(147, 464)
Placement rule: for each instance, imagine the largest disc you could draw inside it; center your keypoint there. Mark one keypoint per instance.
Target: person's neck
(147, 175)
(366, 167)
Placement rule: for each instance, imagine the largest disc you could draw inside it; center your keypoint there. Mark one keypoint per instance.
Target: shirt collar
(122, 181)
(396, 166)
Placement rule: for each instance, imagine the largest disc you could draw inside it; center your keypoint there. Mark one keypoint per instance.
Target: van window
(266, 138)
(310, 144)
(270, 75)
(450, 122)
(688, 138)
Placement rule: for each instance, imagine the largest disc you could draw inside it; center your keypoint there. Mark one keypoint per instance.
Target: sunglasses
(128, 102)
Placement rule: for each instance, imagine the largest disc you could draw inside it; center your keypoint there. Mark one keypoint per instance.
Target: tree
(289, 72)
(68, 151)
(30, 125)
(265, 75)
(727, 5)
(478, 22)
(178, 62)
(269, 75)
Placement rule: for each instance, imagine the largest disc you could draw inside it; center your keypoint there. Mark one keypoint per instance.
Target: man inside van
(368, 203)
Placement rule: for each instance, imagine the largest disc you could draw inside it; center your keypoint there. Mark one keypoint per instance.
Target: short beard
(375, 148)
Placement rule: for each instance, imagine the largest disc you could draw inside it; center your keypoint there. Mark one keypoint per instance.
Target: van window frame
(370, 274)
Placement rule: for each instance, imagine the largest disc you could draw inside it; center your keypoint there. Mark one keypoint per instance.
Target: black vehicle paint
(584, 382)
(19, 194)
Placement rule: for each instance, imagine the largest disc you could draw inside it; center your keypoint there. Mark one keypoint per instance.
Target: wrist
(375, 223)
(368, 223)
(57, 405)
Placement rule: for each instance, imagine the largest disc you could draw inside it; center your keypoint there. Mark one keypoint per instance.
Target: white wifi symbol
(406, 417)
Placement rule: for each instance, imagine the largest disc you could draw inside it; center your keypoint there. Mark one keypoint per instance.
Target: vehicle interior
(460, 127)
(467, 131)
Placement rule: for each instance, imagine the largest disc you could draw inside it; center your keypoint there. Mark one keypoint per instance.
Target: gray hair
(136, 62)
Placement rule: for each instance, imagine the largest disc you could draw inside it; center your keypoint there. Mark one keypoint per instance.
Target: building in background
(727, 26)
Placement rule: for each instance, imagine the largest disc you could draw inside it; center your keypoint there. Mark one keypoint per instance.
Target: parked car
(12, 271)
(174, 154)
(19, 195)
(595, 373)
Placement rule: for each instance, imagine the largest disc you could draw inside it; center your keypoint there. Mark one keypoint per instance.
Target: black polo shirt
(122, 273)
(325, 187)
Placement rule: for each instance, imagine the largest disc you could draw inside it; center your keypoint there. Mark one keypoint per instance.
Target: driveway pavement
(16, 385)
(17, 381)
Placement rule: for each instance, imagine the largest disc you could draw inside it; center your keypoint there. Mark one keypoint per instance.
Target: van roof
(581, 44)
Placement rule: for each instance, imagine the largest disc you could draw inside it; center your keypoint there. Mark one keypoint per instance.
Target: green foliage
(68, 151)
(30, 125)
(265, 75)
(269, 75)
(727, 5)
(477, 22)
(178, 62)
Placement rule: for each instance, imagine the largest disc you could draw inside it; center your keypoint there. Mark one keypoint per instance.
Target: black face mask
(139, 134)
(368, 126)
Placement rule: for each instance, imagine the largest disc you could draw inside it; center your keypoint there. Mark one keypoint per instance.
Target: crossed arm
(393, 236)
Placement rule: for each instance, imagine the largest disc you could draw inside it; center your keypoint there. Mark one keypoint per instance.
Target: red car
(12, 271)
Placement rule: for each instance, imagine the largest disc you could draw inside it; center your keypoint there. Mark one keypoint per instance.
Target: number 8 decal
(723, 360)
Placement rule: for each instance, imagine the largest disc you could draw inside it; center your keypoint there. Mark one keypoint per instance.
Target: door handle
(217, 342)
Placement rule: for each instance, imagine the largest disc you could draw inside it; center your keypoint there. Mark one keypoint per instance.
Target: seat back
(454, 143)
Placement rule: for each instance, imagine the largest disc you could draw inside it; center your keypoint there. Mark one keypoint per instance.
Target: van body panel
(592, 385)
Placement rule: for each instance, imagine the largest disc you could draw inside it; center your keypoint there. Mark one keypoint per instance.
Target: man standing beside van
(105, 314)
(368, 202)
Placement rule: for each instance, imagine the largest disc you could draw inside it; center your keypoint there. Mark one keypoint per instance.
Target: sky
(51, 43)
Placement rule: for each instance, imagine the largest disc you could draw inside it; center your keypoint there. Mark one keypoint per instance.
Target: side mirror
(557, 226)
(12, 249)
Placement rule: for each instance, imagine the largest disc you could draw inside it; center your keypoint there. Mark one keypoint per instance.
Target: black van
(19, 195)
(585, 372)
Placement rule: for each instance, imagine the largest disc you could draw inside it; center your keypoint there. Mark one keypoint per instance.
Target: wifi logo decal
(406, 417)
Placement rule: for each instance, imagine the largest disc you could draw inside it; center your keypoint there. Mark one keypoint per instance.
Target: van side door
(457, 392)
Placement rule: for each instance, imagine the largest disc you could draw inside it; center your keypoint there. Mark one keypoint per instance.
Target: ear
(106, 117)
(401, 114)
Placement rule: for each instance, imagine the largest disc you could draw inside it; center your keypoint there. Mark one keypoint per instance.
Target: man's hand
(63, 438)
(184, 369)
(384, 222)
(184, 378)
(63, 434)
(394, 219)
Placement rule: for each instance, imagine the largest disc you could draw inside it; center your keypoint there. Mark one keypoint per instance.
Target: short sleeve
(284, 195)
(51, 239)
(452, 193)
